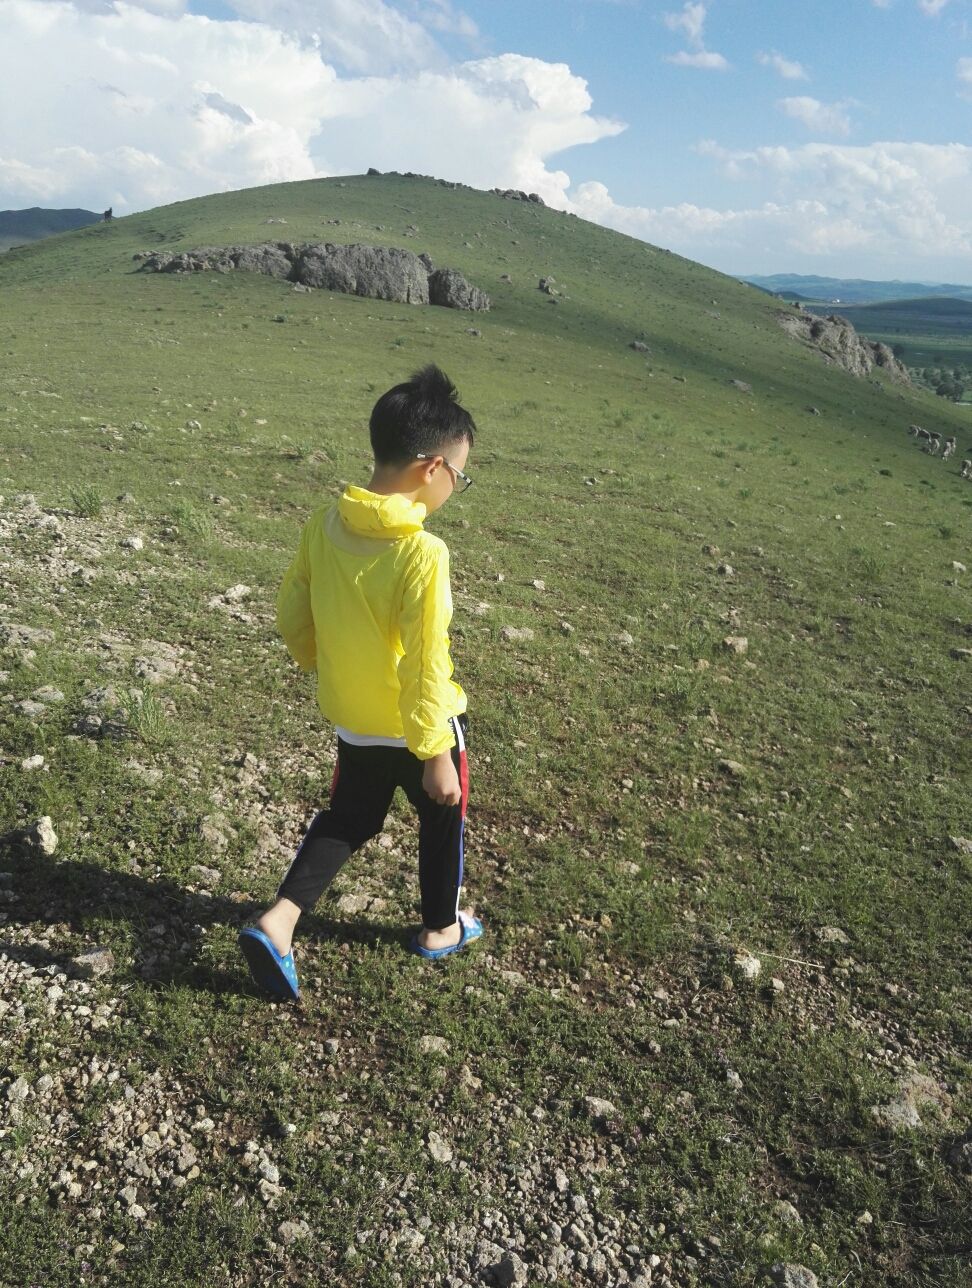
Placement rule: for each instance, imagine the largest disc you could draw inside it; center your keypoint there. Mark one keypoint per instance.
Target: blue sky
(828, 137)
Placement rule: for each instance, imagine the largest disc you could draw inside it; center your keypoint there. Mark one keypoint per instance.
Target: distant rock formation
(836, 340)
(514, 194)
(378, 272)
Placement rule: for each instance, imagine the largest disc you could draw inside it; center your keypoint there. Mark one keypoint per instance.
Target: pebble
(439, 1148)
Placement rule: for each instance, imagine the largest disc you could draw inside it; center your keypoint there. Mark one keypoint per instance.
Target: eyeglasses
(467, 482)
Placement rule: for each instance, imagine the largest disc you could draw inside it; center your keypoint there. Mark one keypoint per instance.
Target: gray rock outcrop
(374, 271)
(378, 272)
(450, 289)
(838, 343)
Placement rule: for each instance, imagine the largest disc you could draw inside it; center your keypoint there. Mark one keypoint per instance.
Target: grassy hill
(18, 226)
(596, 1092)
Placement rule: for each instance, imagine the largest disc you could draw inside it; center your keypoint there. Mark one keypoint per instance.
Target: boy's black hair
(421, 415)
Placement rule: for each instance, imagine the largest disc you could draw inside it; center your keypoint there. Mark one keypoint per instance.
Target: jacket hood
(373, 515)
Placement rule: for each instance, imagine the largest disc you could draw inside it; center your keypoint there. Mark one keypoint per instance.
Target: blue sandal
(472, 928)
(272, 971)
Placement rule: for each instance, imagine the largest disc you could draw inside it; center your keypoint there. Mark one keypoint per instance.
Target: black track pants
(364, 783)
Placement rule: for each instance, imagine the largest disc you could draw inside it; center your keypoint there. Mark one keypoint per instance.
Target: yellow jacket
(366, 601)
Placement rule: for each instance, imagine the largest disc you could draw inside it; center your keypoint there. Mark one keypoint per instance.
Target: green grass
(847, 712)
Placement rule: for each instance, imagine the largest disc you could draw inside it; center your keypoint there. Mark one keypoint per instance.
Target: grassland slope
(739, 730)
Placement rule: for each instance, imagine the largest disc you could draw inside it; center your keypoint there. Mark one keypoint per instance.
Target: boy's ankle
(441, 938)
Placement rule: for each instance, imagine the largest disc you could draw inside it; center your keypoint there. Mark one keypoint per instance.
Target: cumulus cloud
(823, 118)
(872, 205)
(171, 108)
(889, 199)
(130, 106)
(786, 67)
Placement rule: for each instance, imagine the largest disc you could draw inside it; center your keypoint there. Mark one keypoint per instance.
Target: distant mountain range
(839, 290)
(19, 226)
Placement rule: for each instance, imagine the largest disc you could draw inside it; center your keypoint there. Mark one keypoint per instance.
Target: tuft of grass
(146, 718)
(192, 521)
(87, 501)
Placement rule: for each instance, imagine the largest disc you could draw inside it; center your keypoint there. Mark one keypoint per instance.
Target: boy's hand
(440, 780)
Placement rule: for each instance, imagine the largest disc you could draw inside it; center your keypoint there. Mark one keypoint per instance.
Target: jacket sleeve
(294, 620)
(427, 697)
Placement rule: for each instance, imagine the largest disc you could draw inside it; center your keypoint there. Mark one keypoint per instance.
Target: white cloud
(932, 7)
(877, 205)
(691, 20)
(702, 58)
(132, 109)
(824, 118)
(786, 67)
(904, 200)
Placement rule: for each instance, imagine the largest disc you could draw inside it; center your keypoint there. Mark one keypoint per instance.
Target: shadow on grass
(79, 897)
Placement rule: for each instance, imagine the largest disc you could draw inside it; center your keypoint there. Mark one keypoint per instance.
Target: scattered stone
(213, 829)
(600, 1109)
(788, 1274)
(741, 386)
(132, 543)
(509, 1272)
(746, 966)
(962, 654)
(958, 567)
(439, 1148)
(832, 935)
(516, 633)
(205, 876)
(291, 1231)
(433, 1044)
(961, 843)
(960, 1154)
(726, 570)
(732, 767)
(94, 962)
(736, 643)
(40, 836)
(48, 694)
(32, 762)
(16, 636)
(29, 708)
(914, 1091)
(639, 346)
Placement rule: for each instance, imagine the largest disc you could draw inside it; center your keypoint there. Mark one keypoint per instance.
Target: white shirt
(368, 739)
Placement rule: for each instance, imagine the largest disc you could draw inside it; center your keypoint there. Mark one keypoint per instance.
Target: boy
(366, 602)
